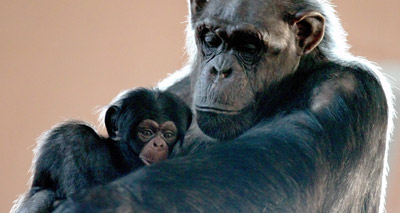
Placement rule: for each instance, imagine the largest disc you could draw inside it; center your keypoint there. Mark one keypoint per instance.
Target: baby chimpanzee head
(148, 123)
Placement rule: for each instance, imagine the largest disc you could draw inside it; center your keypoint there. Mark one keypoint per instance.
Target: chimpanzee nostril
(226, 73)
(213, 71)
(222, 73)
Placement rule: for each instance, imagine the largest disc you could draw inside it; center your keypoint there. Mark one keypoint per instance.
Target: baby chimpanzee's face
(148, 123)
(157, 139)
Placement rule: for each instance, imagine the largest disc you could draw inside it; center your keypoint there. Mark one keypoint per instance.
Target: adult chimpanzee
(143, 127)
(298, 123)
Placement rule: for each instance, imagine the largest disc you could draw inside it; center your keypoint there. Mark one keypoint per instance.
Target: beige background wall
(61, 59)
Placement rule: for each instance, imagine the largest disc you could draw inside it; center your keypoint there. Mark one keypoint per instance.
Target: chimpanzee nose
(158, 143)
(221, 66)
(222, 72)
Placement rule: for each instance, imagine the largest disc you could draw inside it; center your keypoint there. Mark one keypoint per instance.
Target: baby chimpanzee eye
(168, 135)
(147, 133)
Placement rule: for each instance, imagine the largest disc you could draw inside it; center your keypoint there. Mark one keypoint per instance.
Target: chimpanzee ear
(310, 27)
(111, 119)
(196, 6)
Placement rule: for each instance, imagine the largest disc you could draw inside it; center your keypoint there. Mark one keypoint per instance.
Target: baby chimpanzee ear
(111, 119)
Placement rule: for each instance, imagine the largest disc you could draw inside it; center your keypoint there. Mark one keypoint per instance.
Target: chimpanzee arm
(257, 171)
(68, 158)
(287, 163)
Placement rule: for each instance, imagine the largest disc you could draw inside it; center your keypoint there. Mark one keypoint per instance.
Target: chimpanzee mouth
(223, 124)
(217, 110)
(146, 162)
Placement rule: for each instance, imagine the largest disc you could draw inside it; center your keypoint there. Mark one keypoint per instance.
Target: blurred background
(61, 59)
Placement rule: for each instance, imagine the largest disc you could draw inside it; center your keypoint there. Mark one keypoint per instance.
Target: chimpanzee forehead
(257, 12)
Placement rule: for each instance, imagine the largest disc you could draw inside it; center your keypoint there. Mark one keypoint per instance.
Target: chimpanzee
(287, 120)
(143, 127)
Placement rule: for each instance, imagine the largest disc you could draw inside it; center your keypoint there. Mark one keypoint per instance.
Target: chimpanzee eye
(211, 40)
(168, 135)
(247, 44)
(249, 48)
(147, 133)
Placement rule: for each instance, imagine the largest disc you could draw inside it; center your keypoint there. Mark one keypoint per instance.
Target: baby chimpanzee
(143, 126)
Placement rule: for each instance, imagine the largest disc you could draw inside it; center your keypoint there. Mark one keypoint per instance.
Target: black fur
(72, 156)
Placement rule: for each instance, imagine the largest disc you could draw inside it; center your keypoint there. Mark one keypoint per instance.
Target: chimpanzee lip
(216, 110)
(148, 163)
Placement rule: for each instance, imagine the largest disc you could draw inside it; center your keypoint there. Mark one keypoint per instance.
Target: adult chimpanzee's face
(242, 50)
